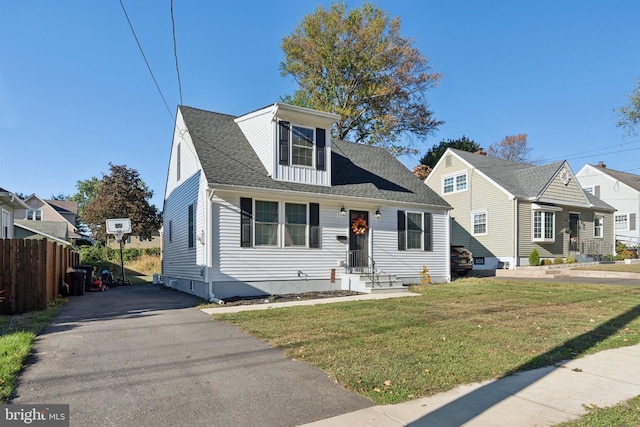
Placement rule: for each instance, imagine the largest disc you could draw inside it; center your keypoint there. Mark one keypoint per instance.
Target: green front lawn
(470, 330)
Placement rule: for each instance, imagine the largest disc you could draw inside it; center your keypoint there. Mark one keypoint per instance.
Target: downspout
(516, 258)
(208, 245)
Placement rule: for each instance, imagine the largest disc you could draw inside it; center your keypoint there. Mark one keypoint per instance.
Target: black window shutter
(246, 207)
(428, 232)
(321, 142)
(402, 228)
(632, 221)
(314, 225)
(191, 227)
(283, 142)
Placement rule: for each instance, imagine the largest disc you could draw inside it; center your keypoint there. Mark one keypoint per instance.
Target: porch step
(360, 282)
(386, 283)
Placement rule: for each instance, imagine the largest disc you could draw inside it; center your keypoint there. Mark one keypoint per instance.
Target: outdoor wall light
(378, 213)
(343, 211)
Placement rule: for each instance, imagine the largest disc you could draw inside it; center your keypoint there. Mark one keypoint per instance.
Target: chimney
(481, 152)
(601, 165)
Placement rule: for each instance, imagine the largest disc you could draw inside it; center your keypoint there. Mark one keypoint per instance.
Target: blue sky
(76, 94)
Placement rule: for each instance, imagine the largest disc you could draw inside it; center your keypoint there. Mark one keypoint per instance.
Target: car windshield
(459, 249)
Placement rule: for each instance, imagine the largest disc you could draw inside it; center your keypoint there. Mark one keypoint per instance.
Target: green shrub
(546, 262)
(93, 254)
(534, 257)
(570, 260)
(558, 260)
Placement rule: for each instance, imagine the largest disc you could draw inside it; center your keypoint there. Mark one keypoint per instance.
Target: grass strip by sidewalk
(624, 414)
(470, 330)
(16, 343)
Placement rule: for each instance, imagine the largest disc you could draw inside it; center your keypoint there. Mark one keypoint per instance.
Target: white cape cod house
(266, 203)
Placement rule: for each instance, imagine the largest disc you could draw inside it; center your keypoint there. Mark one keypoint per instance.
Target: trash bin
(88, 277)
(76, 282)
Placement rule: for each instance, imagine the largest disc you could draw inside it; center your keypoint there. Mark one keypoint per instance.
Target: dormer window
(302, 146)
(297, 145)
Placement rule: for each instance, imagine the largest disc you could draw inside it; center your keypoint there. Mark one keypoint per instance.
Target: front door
(358, 239)
(574, 220)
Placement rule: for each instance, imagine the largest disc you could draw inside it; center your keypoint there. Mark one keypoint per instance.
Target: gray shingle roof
(358, 170)
(520, 179)
(52, 228)
(629, 179)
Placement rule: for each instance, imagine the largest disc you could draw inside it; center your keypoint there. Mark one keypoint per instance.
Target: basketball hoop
(119, 227)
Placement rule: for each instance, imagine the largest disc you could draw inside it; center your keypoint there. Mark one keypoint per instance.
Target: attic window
(454, 183)
(34, 215)
(302, 146)
(298, 144)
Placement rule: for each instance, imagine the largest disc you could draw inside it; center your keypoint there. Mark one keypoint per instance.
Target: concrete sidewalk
(267, 306)
(541, 397)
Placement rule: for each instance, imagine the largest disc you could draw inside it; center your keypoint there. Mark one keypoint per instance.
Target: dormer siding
(293, 143)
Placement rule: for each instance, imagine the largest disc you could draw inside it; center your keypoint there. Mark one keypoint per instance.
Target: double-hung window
(34, 214)
(598, 227)
(479, 223)
(269, 223)
(622, 222)
(301, 146)
(454, 183)
(544, 223)
(295, 224)
(415, 231)
(266, 223)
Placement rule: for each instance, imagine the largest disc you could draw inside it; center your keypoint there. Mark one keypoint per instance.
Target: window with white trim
(598, 227)
(454, 183)
(302, 143)
(414, 230)
(295, 224)
(278, 224)
(479, 223)
(266, 223)
(34, 214)
(621, 222)
(301, 146)
(543, 226)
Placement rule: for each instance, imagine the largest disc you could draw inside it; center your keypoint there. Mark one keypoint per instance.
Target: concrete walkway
(541, 397)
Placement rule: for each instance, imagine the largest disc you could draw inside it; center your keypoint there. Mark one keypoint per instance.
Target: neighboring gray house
(267, 203)
(622, 191)
(503, 210)
(9, 203)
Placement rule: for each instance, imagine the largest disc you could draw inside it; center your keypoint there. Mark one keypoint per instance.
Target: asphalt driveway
(144, 356)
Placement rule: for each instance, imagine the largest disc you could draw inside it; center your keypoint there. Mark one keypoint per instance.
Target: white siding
(625, 199)
(259, 129)
(408, 264)
(178, 259)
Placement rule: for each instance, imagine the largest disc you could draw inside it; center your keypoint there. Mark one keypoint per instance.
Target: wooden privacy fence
(31, 273)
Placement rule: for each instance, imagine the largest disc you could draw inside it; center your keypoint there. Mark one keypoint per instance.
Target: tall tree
(87, 191)
(433, 155)
(123, 194)
(357, 65)
(514, 148)
(630, 113)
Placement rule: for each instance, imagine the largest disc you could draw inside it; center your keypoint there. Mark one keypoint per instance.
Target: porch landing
(372, 283)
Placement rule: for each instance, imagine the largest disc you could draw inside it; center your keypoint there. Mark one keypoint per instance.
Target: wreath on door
(359, 226)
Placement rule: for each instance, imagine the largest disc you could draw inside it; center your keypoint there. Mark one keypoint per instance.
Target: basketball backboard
(118, 226)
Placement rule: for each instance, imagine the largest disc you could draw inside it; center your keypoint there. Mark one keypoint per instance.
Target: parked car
(461, 260)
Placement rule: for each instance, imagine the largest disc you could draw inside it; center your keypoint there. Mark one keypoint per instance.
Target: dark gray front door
(358, 239)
